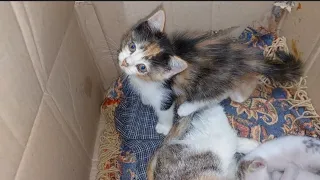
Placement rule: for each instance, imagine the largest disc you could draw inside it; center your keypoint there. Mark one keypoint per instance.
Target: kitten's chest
(148, 90)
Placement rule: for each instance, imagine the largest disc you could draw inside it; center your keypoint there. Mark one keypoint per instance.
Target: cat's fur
(282, 155)
(200, 146)
(199, 68)
(294, 172)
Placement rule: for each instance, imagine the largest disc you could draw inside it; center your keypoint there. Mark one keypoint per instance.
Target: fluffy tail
(287, 69)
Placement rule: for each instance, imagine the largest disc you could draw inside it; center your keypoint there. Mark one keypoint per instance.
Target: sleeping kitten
(199, 146)
(198, 68)
(281, 155)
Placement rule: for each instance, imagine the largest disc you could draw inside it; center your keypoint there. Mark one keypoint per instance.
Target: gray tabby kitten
(200, 146)
(284, 158)
(199, 68)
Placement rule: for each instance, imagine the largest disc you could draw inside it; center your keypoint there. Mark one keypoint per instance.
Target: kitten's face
(146, 51)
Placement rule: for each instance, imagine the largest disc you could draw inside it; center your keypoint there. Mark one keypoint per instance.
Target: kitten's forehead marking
(152, 50)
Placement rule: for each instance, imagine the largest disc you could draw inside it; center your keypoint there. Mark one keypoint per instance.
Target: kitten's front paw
(185, 109)
(237, 97)
(144, 101)
(163, 128)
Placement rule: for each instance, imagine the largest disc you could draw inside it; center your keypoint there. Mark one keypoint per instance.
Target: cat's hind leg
(243, 91)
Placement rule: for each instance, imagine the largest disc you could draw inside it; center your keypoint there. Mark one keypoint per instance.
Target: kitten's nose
(124, 63)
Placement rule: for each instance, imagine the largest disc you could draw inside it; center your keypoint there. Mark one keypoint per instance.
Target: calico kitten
(198, 68)
(143, 60)
(282, 155)
(199, 146)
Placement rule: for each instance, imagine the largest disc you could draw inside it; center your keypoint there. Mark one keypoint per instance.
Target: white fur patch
(212, 132)
(188, 108)
(280, 153)
(152, 93)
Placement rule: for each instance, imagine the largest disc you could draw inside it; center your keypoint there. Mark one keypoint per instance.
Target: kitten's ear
(157, 20)
(257, 164)
(177, 65)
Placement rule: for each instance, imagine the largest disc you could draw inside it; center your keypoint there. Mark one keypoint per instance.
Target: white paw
(163, 128)
(185, 109)
(237, 97)
(145, 101)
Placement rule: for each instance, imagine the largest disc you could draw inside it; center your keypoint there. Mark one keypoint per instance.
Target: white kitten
(282, 155)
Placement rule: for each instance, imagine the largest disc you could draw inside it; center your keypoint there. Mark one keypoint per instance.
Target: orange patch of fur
(152, 50)
(151, 167)
(144, 77)
(181, 79)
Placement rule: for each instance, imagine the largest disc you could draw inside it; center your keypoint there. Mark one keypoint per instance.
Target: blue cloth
(136, 124)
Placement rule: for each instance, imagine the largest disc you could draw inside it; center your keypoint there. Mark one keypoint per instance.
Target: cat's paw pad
(185, 109)
(163, 128)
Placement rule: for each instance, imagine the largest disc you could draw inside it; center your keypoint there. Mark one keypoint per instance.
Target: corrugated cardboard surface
(50, 93)
(302, 26)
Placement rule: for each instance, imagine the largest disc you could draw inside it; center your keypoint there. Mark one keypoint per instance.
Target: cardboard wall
(50, 93)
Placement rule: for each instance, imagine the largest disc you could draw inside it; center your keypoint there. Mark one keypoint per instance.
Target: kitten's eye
(132, 47)
(142, 68)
